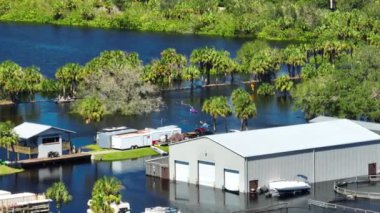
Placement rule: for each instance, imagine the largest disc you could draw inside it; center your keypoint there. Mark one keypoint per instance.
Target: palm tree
(191, 73)
(8, 138)
(284, 84)
(217, 106)
(244, 107)
(59, 193)
(212, 61)
(91, 109)
(105, 191)
(68, 76)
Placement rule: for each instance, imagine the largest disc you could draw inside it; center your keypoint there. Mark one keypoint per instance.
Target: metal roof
(294, 138)
(27, 130)
(368, 125)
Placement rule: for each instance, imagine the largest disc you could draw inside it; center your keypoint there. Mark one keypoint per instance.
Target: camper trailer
(133, 140)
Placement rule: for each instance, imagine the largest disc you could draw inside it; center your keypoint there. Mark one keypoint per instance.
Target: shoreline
(6, 170)
(207, 34)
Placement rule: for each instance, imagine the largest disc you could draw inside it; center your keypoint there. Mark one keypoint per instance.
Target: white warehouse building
(244, 161)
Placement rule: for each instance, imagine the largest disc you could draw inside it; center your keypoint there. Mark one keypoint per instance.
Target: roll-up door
(231, 180)
(181, 171)
(206, 173)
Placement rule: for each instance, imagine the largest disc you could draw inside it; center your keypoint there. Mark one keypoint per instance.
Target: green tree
(115, 86)
(8, 138)
(217, 106)
(259, 59)
(170, 67)
(191, 73)
(68, 77)
(244, 107)
(266, 89)
(284, 84)
(105, 191)
(91, 109)
(211, 62)
(59, 194)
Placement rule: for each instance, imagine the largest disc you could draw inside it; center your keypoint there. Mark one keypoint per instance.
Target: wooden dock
(84, 156)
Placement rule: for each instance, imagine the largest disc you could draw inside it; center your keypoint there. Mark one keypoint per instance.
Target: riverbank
(6, 170)
(211, 18)
(5, 102)
(100, 154)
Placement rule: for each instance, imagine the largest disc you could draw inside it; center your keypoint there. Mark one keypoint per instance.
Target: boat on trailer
(288, 187)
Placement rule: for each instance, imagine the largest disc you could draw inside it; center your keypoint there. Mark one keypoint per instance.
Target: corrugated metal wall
(203, 149)
(282, 167)
(345, 162)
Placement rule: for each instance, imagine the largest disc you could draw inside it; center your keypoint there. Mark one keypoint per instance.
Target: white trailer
(162, 134)
(132, 140)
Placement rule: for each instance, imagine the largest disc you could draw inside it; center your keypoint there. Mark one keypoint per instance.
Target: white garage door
(206, 174)
(231, 180)
(182, 171)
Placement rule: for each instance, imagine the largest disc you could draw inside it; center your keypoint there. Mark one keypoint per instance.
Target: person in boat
(193, 110)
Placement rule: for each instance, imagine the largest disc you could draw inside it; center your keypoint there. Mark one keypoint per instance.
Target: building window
(50, 140)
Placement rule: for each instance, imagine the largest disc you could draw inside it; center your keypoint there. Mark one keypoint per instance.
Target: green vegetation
(8, 138)
(94, 148)
(244, 107)
(127, 154)
(333, 71)
(106, 191)
(18, 83)
(217, 106)
(112, 83)
(6, 170)
(59, 193)
(280, 20)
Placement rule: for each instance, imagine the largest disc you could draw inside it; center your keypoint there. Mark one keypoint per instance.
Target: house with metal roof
(41, 141)
(244, 161)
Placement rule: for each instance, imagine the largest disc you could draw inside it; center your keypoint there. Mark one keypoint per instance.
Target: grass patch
(127, 154)
(94, 148)
(6, 170)
(165, 148)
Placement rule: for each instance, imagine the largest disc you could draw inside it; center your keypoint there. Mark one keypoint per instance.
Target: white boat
(159, 209)
(287, 187)
(122, 207)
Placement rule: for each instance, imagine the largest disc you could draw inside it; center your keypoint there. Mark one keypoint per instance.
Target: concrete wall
(203, 149)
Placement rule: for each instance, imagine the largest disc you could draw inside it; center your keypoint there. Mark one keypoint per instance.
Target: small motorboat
(286, 187)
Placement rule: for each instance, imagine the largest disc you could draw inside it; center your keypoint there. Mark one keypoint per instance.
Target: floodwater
(50, 47)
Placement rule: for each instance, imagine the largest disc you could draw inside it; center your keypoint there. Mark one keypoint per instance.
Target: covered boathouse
(38, 140)
(244, 161)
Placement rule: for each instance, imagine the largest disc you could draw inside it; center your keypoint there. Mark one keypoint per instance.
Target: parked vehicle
(134, 140)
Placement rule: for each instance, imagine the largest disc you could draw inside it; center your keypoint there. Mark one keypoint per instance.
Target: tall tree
(8, 138)
(59, 193)
(284, 84)
(68, 77)
(217, 106)
(91, 109)
(105, 191)
(244, 107)
(211, 62)
(116, 86)
(259, 59)
(170, 67)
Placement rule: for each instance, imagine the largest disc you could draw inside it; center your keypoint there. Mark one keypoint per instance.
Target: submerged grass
(94, 148)
(6, 170)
